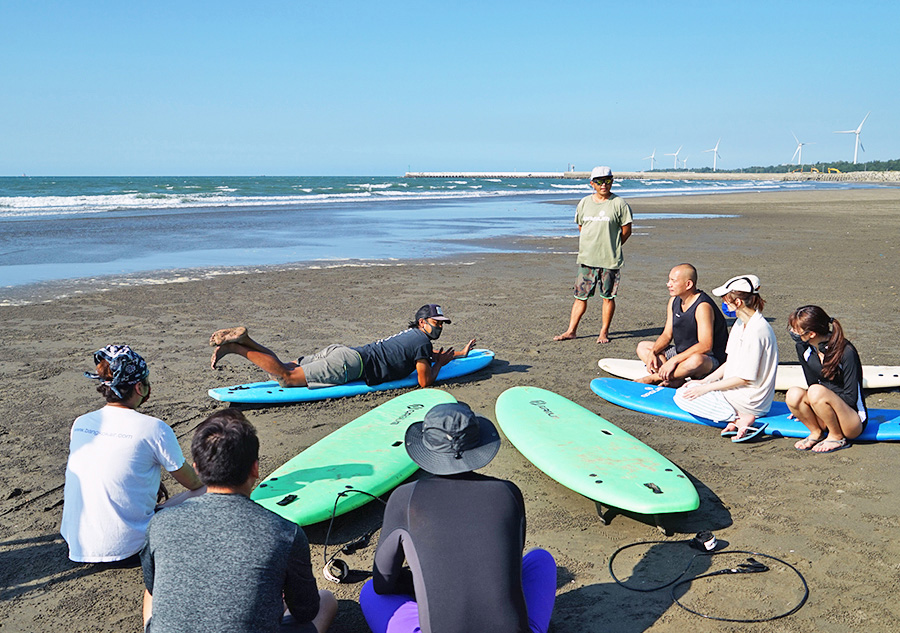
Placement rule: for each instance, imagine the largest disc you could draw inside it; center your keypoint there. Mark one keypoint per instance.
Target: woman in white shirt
(743, 387)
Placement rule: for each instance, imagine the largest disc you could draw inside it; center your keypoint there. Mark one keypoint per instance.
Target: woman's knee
(819, 395)
(795, 397)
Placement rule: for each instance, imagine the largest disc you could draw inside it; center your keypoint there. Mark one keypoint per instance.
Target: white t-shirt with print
(112, 478)
(752, 354)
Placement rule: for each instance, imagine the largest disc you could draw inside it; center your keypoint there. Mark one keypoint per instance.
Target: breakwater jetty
(851, 176)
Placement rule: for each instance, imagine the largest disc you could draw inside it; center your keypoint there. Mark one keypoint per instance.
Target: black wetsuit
(847, 382)
(462, 536)
(684, 327)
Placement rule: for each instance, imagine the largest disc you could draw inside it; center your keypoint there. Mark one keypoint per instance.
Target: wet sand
(834, 517)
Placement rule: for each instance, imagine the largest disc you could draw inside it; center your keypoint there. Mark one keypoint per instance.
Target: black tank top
(684, 326)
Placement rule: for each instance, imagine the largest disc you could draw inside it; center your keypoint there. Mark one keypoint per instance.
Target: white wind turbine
(798, 153)
(856, 131)
(675, 155)
(684, 162)
(715, 151)
(652, 158)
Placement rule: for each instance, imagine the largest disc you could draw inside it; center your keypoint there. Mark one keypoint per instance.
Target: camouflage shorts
(590, 279)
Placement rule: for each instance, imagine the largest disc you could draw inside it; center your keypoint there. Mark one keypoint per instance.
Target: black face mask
(797, 338)
(434, 333)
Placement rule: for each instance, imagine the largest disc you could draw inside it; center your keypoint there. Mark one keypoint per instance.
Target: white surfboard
(787, 376)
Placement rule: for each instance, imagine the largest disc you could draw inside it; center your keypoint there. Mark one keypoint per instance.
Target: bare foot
(730, 430)
(650, 379)
(220, 352)
(603, 338)
(228, 335)
(565, 336)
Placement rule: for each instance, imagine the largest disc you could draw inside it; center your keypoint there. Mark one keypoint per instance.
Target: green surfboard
(366, 454)
(592, 456)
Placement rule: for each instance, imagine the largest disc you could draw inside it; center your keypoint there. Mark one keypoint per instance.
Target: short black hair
(225, 447)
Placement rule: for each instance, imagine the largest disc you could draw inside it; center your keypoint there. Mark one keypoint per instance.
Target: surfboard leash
(335, 569)
(706, 543)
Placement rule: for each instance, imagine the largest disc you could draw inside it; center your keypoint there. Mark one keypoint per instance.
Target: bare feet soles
(220, 352)
(216, 357)
(228, 335)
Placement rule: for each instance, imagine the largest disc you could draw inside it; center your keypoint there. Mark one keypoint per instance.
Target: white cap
(741, 283)
(601, 172)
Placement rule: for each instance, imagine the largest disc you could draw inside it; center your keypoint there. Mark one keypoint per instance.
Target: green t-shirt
(600, 243)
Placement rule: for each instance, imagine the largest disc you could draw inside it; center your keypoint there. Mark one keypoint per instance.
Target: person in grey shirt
(221, 562)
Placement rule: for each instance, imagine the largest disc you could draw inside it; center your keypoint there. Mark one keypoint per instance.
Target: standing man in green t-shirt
(604, 224)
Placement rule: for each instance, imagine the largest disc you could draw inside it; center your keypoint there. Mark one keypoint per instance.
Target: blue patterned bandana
(126, 366)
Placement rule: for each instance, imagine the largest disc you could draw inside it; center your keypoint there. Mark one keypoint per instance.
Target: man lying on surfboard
(377, 362)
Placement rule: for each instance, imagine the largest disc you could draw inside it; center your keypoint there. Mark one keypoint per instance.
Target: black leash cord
(750, 567)
(335, 569)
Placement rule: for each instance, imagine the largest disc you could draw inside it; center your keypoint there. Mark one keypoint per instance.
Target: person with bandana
(113, 471)
(832, 405)
(388, 359)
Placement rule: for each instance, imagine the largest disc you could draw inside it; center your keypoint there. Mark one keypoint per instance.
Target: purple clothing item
(471, 558)
(399, 613)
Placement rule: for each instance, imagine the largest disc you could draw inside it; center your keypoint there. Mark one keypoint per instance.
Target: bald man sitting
(692, 345)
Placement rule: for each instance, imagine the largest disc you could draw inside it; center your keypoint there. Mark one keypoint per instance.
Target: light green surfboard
(365, 454)
(591, 456)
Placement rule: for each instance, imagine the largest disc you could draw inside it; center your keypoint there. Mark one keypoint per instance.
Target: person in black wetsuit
(462, 535)
(832, 406)
(388, 359)
(692, 344)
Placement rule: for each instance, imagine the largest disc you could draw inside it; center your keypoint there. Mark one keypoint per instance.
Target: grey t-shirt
(219, 562)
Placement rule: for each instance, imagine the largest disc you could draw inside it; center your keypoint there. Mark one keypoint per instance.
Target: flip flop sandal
(808, 443)
(838, 445)
(726, 432)
(753, 432)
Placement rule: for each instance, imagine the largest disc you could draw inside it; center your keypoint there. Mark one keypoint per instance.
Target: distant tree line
(843, 166)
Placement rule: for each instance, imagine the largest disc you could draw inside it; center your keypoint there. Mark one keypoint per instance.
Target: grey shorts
(670, 352)
(334, 365)
(590, 279)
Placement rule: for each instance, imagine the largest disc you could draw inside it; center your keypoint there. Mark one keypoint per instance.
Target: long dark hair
(814, 319)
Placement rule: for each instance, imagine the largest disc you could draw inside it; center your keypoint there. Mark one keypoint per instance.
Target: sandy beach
(834, 517)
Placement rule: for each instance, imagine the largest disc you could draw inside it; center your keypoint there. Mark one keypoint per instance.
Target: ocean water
(68, 232)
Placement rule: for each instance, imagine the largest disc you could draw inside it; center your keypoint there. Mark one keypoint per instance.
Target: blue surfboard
(271, 392)
(884, 424)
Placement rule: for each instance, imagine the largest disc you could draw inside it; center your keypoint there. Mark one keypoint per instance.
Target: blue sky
(368, 88)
